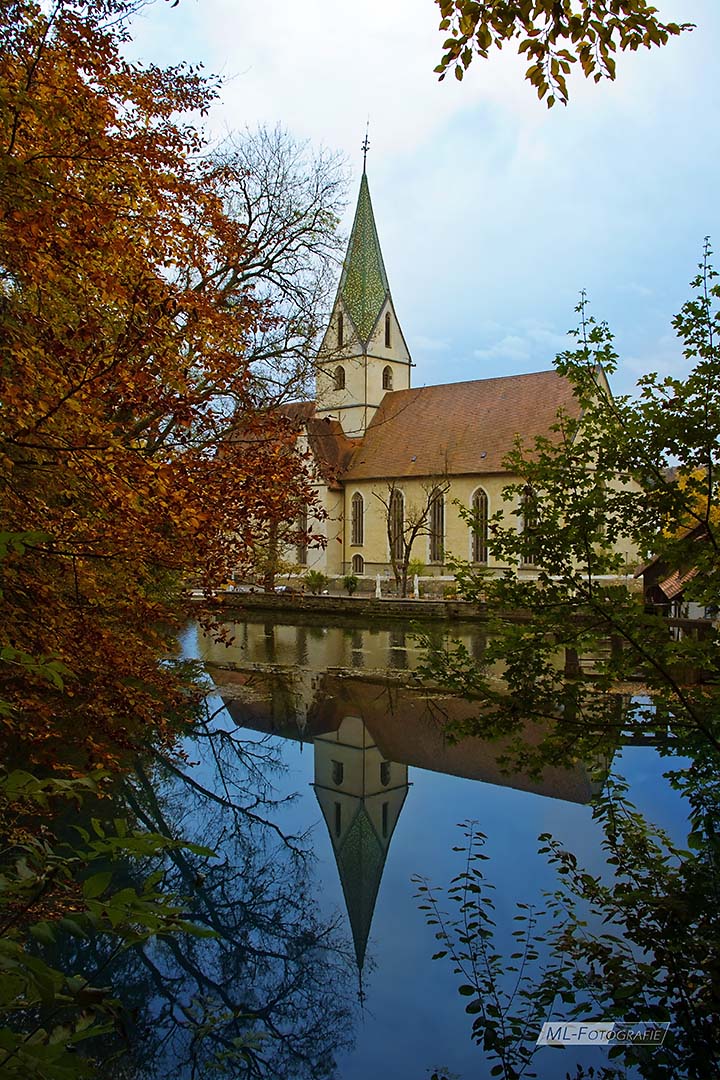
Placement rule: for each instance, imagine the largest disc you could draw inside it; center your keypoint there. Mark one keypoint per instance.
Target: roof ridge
(490, 378)
(390, 394)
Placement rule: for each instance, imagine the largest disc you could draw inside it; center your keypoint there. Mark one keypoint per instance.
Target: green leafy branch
(638, 943)
(553, 36)
(507, 1003)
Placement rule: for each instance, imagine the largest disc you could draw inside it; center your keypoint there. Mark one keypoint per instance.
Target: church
(386, 454)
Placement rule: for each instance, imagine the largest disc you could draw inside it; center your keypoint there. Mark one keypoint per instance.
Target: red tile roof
(459, 428)
(331, 448)
(297, 410)
(674, 585)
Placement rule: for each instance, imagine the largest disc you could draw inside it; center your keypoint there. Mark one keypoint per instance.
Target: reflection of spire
(306, 685)
(361, 796)
(361, 861)
(361, 992)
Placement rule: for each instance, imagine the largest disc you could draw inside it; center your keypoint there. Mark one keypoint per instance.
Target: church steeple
(363, 353)
(364, 286)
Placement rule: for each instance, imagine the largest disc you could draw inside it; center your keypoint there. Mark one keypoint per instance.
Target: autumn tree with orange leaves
(122, 363)
(141, 318)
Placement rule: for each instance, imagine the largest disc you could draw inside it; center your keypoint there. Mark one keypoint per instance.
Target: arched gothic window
(341, 329)
(357, 522)
(396, 522)
(529, 525)
(437, 526)
(358, 564)
(480, 527)
(387, 330)
(339, 378)
(387, 378)
(302, 527)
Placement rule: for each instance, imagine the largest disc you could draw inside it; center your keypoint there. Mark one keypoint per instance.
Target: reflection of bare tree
(269, 994)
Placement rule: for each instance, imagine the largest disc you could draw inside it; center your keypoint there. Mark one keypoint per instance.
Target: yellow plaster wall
(457, 533)
(326, 525)
(327, 557)
(397, 350)
(349, 404)
(458, 539)
(623, 544)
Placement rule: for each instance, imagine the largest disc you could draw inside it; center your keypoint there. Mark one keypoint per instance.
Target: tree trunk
(268, 581)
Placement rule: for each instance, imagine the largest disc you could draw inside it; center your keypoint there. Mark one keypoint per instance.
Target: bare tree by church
(405, 523)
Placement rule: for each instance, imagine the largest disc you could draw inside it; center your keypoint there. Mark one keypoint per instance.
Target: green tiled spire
(364, 284)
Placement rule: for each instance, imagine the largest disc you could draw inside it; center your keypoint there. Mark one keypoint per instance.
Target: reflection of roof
(404, 726)
(360, 861)
(459, 428)
(408, 729)
(363, 283)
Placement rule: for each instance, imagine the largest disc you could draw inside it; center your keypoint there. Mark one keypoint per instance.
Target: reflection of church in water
(365, 732)
(361, 795)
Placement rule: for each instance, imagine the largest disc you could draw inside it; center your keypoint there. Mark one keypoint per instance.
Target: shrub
(316, 581)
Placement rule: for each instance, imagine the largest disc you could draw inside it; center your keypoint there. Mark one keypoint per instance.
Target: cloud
(666, 358)
(320, 68)
(492, 210)
(422, 343)
(528, 341)
(511, 347)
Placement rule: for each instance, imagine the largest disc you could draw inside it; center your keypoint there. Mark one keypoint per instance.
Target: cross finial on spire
(366, 144)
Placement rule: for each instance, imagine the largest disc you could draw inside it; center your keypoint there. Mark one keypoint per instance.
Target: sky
(493, 211)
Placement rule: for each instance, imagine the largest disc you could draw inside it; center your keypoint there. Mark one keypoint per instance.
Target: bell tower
(363, 354)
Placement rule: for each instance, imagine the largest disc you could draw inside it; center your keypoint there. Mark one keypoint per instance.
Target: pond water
(343, 751)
